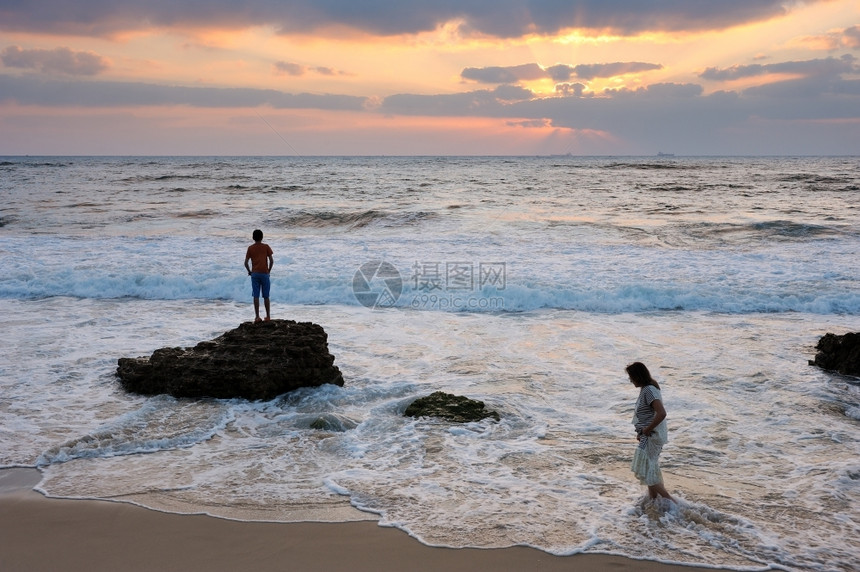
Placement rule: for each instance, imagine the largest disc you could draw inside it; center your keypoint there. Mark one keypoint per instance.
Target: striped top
(643, 414)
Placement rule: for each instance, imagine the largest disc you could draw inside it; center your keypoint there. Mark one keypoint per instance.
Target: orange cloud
(849, 38)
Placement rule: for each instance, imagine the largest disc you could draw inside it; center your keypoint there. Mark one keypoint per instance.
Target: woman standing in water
(649, 418)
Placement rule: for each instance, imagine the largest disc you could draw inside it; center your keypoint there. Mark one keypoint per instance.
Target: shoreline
(41, 533)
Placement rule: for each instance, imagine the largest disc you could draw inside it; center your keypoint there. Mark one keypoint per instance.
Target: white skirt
(646, 465)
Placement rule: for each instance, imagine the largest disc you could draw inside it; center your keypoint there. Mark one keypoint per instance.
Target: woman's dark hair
(639, 375)
(257, 235)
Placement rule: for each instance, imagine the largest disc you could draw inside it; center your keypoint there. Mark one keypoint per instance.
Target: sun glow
(234, 61)
(582, 38)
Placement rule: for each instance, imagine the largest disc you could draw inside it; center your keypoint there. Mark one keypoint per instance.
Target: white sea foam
(724, 282)
(723, 295)
(161, 424)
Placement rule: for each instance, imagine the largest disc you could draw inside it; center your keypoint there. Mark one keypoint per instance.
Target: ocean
(525, 282)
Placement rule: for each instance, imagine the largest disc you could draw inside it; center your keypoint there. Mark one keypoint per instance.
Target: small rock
(451, 407)
(332, 422)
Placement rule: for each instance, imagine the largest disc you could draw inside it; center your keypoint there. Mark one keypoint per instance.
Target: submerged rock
(330, 422)
(254, 361)
(839, 353)
(451, 407)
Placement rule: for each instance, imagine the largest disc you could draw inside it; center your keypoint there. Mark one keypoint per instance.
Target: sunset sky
(429, 77)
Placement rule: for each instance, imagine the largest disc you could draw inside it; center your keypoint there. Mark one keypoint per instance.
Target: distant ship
(662, 154)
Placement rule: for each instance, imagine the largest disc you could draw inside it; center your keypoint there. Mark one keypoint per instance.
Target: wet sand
(38, 533)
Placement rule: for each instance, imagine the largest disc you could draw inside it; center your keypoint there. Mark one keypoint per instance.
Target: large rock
(451, 407)
(253, 361)
(839, 353)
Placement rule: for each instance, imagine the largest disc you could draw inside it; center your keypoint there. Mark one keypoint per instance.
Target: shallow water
(719, 274)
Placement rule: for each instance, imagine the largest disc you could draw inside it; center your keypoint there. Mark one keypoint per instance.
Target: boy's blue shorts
(260, 280)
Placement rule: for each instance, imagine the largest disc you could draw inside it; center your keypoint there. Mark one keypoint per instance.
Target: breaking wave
(350, 219)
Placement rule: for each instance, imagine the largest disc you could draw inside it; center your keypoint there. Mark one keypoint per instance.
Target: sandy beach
(37, 533)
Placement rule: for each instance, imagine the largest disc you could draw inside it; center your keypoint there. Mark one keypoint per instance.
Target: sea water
(528, 283)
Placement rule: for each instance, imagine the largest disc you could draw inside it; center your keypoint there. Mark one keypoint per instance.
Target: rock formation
(451, 407)
(254, 361)
(839, 353)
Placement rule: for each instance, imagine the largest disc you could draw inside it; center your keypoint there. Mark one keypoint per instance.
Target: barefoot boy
(260, 255)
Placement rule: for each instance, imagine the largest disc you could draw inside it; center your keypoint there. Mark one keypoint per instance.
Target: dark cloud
(677, 117)
(35, 91)
(681, 119)
(508, 74)
(659, 90)
(480, 103)
(563, 72)
(807, 68)
(495, 103)
(502, 18)
(570, 89)
(558, 72)
(512, 93)
(851, 37)
(806, 88)
(59, 60)
(288, 68)
(847, 87)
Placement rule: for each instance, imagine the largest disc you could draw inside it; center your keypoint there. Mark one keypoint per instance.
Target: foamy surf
(720, 274)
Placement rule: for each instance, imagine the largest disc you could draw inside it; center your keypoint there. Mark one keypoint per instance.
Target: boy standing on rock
(260, 255)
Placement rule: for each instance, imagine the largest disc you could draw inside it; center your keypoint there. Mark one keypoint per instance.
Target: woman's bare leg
(659, 489)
